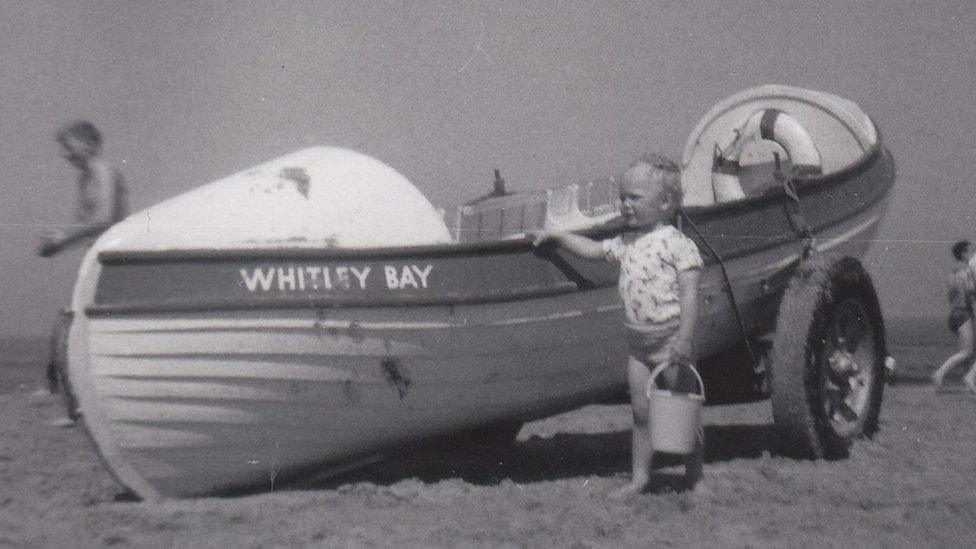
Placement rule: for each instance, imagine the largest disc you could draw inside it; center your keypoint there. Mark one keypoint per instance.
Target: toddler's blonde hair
(666, 171)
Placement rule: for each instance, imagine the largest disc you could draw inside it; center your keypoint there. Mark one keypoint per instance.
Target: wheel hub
(850, 354)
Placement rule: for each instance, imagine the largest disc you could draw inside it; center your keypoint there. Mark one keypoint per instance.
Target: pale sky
(188, 92)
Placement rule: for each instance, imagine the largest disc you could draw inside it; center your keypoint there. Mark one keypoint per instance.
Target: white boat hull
(198, 403)
(204, 367)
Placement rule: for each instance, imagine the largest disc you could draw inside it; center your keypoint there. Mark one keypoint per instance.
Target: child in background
(961, 289)
(102, 201)
(659, 270)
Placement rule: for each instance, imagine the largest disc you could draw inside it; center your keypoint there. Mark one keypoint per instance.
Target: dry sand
(912, 485)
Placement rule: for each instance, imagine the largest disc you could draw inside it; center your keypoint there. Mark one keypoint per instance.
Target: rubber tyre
(799, 366)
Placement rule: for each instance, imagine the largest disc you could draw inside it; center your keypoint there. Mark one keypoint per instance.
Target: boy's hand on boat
(51, 242)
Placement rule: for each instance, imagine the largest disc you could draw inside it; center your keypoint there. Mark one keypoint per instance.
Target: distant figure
(659, 270)
(962, 286)
(102, 201)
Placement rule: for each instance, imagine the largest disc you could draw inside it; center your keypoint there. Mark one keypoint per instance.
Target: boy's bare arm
(56, 241)
(579, 245)
(688, 297)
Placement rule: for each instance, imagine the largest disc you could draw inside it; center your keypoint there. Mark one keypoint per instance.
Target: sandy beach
(463, 101)
(912, 485)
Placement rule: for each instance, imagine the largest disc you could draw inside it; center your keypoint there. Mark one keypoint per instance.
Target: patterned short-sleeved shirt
(649, 267)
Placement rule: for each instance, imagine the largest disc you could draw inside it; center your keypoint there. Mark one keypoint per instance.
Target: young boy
(102, 199)
(102, 202)
(659, 270)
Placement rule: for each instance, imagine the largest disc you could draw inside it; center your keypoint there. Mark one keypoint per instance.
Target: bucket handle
(660, 368)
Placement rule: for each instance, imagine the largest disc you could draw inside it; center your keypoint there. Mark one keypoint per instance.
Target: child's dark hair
(83, 130)
(959, 249)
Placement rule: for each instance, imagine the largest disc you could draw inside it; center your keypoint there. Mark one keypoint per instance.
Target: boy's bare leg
(970, 378)
(694, 463)
(640, 456)
(58, 368)
(53, 379)
(56, 357)
(965, 339)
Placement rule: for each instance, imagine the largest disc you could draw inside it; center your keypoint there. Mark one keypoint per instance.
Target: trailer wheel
(827, 359)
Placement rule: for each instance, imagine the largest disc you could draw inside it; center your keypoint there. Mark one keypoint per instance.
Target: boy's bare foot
(635, 487)
(970, 385)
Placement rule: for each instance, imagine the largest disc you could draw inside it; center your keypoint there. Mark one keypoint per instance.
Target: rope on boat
(794, 210)
(728, 286)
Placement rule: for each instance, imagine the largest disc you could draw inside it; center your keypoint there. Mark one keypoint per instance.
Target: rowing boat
(315, 310)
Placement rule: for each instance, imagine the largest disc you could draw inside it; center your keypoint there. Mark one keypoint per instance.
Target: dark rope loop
(794, 210)
(728, 284)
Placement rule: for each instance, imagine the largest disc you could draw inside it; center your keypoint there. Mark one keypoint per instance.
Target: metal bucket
(674, 418)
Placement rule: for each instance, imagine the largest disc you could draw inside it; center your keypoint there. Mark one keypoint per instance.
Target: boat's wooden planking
(195, 409)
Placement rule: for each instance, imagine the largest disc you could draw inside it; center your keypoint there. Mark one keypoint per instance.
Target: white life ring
(766, 124)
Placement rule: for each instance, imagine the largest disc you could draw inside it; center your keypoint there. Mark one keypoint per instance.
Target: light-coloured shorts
(651, 343)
